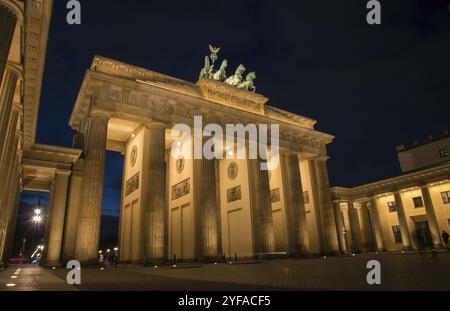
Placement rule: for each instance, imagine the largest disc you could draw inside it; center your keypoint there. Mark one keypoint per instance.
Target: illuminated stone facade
(406, 212)
(198, 209)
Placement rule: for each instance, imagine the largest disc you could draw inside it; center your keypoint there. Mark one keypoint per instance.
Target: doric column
(348, 230)
(354, 227)
(88, 231)
(297, 230)
(406, 238)
(153, 193)
(366, 228)
(73, 211)
(260, 207)
(340, 226)
(206, 209)
(13, 221)
(376, 224)
(11, 188)
(321, 186)
(7, 92)
(7, 169)
(431, 216)
(56, 217)
(8, 21)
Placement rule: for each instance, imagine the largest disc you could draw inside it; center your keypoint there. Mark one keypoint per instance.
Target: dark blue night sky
(374, 87)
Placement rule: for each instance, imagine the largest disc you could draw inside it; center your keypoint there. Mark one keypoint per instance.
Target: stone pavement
(31, 278)
(409, 272)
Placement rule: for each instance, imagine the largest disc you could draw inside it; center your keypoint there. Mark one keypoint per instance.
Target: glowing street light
(37, 212)
(37, 219)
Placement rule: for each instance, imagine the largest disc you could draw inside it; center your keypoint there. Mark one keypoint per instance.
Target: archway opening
(109, 229)
(27, 243)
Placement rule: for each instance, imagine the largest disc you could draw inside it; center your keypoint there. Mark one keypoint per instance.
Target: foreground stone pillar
(366, 228)
(340, 227)
(73, 211)
(8, 21)
(261, 208)
(354, 227)
(153, 193)
(7, 170)
(56, 217)
(206, 210)
(406, 238)
(88, 231)
(431, 216)
(7, 92)
(321, 186)
(376, 224)
(9, 202)
(297, 230)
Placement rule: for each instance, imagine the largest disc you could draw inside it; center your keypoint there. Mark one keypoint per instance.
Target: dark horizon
(373, 87)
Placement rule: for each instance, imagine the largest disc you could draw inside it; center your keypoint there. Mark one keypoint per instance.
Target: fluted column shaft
(431, 216)
(206, 209)
(13, 221)
(56, 217)
(88, 231)
(261, 208)
(7, 173)
(8, 21)
(297, 230)
(340, 227)
(7, 92)
(321, 185)
(153, 204)
(366, 228)
(376, 222)
(406, 238)
(354, 227)
(12, 184)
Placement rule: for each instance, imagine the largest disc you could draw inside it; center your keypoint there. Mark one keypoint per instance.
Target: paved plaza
(409, 272)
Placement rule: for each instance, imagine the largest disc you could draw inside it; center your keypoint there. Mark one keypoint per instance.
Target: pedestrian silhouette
(445, 237)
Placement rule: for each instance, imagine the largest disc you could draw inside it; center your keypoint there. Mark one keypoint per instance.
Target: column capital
(321, 158)
(17, 107)
(100, 113)
(63, 172)
(15, 68)
(150, 125)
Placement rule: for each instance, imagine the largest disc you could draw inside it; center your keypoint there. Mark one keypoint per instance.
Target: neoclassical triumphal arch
(194, 209)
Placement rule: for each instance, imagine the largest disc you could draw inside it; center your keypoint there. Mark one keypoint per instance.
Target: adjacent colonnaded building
(192, 209)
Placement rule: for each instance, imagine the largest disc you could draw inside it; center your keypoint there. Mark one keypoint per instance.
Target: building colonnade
(383, 222)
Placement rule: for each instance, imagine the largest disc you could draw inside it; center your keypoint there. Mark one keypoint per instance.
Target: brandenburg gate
(194, 209)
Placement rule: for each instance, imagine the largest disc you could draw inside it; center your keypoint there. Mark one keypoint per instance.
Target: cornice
(119, 96)
(391, 185)
(37, 23)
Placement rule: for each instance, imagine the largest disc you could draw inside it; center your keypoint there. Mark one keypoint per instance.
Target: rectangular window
(443, 153)
(392, 206)
(418, 202)
(306, 197)
(397, 234)
(445, 197)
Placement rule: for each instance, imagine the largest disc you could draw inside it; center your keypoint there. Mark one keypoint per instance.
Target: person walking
(101, 260)
(445, 238)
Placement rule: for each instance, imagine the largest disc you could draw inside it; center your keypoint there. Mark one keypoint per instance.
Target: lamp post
(37, 218)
